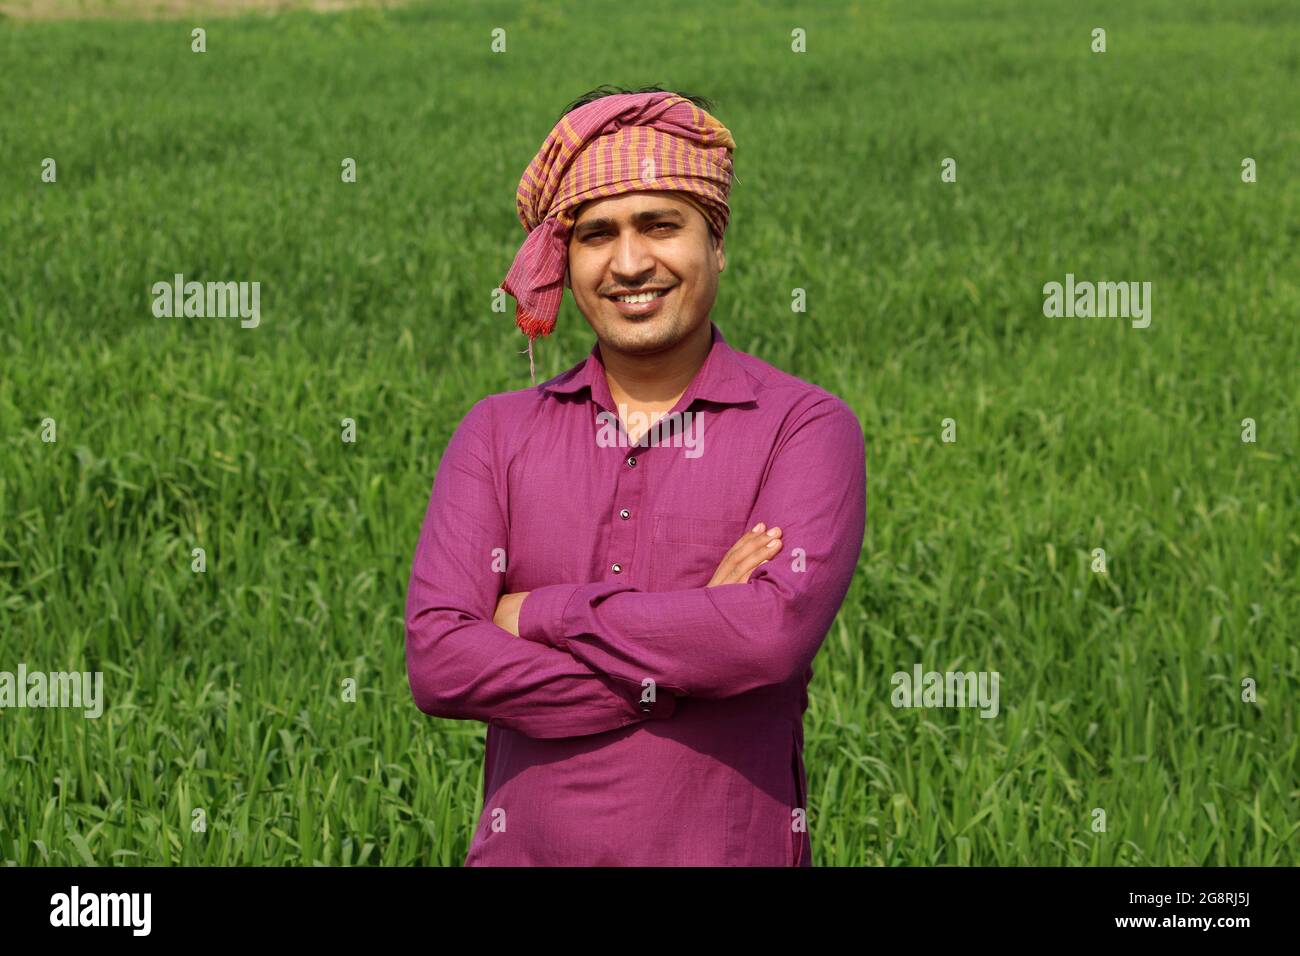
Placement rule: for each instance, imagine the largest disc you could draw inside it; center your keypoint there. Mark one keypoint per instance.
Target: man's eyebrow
(591, 225)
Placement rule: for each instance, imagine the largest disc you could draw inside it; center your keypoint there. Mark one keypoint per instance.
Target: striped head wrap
(626, 142)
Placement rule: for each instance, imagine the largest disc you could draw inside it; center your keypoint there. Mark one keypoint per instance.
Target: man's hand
(754, 548)
(507, 612)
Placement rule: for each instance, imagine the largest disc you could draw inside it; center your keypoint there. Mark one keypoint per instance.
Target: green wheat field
(1120, 691)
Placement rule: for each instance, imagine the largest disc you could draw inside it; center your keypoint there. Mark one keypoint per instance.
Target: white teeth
(643, 297)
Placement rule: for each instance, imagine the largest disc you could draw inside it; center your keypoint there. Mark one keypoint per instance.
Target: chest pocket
(686, 550)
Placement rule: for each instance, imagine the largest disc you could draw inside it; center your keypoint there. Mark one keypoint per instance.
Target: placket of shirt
(628, 550)
(630, 524)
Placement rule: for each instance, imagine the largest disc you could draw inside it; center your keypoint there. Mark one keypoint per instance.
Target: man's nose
(632, 263)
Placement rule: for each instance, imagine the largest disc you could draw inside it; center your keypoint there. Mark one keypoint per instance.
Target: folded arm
(727, 640)
(459, 663)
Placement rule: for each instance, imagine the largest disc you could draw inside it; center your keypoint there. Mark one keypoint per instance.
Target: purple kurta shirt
(539, 491)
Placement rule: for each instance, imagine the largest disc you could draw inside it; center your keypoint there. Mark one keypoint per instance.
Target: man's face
(638, 241)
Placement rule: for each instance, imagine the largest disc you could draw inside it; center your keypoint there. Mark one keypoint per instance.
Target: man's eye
(604, 232)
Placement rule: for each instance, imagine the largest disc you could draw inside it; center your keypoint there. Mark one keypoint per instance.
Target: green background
(1119, 691)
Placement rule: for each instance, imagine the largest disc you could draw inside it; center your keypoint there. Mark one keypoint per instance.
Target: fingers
(754, 547)
(763, 550)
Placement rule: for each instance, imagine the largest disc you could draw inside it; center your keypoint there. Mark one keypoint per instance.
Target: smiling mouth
(641, 297)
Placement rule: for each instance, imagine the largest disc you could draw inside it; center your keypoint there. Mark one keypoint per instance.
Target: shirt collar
(720, 379)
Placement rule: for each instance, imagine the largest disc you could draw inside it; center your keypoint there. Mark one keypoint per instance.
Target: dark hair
(608, 90)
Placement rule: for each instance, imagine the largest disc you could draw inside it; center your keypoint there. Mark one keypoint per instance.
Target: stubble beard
(645, 337)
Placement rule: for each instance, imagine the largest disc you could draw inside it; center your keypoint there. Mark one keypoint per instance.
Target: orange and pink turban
(626, 142)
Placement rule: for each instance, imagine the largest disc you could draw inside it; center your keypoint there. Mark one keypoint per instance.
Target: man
(627, 570)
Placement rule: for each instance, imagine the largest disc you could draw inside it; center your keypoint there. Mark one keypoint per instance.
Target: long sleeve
(727, 640)
(459, 663)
